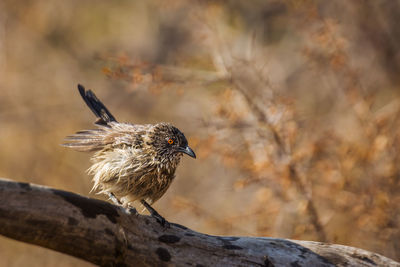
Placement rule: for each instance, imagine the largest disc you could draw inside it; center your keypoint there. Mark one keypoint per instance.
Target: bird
(131, 162)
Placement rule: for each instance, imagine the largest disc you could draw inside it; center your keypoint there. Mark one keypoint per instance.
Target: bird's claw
(161, 220)
(132, 210)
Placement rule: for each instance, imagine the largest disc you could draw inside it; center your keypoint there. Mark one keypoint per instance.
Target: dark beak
(187, 150)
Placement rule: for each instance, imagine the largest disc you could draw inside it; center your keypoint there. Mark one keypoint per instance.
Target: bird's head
(169, 141)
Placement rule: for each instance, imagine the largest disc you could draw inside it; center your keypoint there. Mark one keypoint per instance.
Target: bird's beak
(187, 150)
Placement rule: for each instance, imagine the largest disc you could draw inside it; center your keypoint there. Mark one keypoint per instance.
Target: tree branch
(107, 235)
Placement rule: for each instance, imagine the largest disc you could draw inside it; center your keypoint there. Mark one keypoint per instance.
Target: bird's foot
(116, 201)
(132, 210)
(160, 219)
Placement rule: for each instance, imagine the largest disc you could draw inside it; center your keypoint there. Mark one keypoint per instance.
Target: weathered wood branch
(107, 235)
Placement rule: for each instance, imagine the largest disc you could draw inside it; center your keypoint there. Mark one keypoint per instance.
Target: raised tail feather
(96, 139)
(104, 116)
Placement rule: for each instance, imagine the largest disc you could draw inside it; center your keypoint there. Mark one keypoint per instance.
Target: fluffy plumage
(131, 161)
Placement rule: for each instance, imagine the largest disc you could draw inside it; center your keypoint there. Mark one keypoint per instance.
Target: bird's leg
(160, 219)
(116, 201)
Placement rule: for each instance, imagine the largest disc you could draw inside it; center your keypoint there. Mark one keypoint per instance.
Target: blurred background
(293, 108)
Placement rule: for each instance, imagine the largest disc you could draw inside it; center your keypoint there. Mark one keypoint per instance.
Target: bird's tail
(92, 140)
(104, 116)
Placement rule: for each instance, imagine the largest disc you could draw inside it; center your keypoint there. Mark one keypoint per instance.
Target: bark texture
(108, 235)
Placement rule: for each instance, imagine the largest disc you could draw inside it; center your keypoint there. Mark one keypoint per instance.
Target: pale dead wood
(107, 235)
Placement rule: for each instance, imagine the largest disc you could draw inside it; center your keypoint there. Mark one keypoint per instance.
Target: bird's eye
(170, 141)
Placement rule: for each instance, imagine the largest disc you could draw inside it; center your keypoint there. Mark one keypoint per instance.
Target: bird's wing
(113, 135)
(87, 140)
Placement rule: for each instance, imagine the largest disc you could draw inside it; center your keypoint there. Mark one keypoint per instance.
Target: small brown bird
(132, 162)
